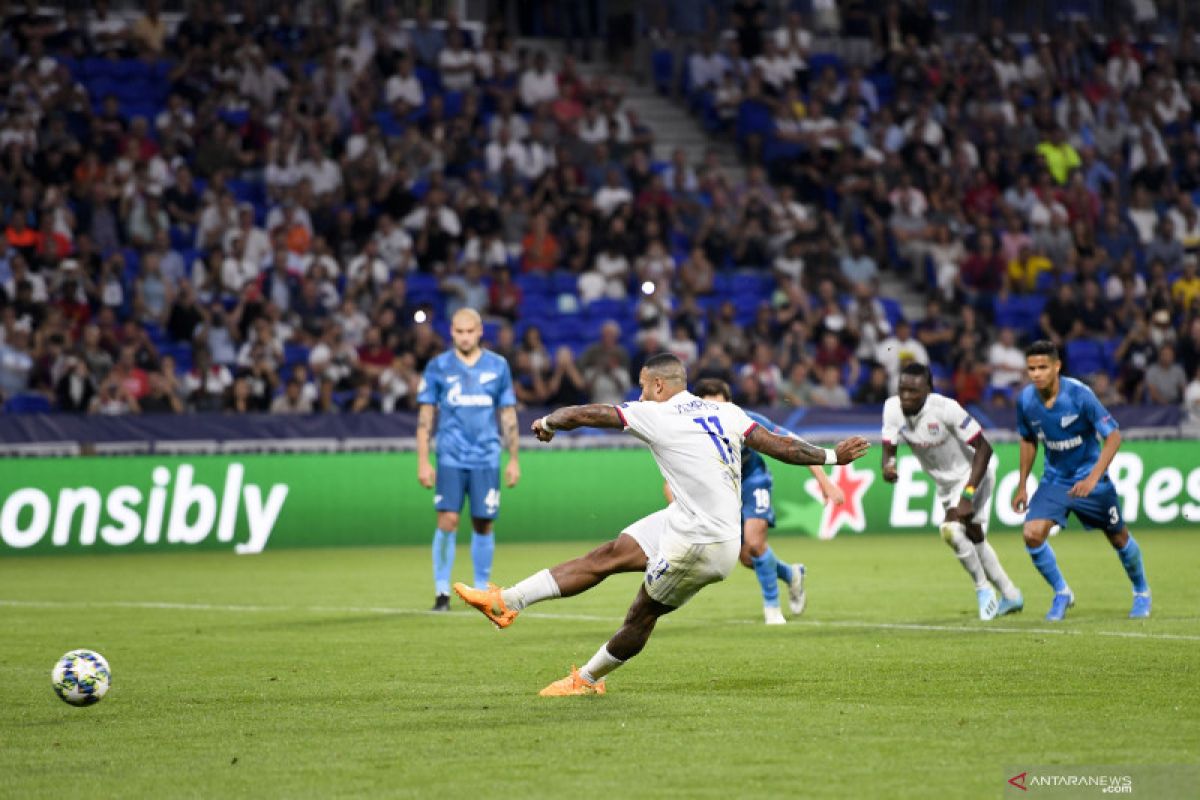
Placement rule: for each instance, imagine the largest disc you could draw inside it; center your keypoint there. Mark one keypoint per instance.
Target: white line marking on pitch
(899, 626)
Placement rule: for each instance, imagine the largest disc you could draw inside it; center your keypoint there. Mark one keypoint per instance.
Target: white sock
(996, 574)
(955, 535)
(534, 589)
(601, 664)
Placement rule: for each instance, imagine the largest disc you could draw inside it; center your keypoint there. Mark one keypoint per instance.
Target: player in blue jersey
(758, 514)
(463, 388)
(1067, 418)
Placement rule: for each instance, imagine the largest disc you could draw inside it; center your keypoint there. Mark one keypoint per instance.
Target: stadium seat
(27, 404)
(1085, 357)
(663, 67)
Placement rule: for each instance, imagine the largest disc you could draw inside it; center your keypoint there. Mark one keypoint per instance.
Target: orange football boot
(489, 602)
(573, 684)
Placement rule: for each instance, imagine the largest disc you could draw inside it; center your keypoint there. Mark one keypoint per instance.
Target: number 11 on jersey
(718, 436)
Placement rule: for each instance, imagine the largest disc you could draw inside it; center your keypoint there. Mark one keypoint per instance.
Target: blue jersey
(1068, 430)
(754, 466)
(467, 398)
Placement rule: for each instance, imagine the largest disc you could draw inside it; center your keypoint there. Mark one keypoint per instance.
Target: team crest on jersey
(934, 428)
(485, 377)
(1068, 419)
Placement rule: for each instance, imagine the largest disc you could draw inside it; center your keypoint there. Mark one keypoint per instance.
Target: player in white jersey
(682, 548)
(950, 445)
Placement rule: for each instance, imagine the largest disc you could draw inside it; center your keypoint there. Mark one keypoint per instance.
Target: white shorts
(948, 496)
(677, 568)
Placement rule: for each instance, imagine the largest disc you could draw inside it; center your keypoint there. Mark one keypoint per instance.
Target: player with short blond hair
(463, 388)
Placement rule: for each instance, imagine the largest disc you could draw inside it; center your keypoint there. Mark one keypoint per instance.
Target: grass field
(318, 673)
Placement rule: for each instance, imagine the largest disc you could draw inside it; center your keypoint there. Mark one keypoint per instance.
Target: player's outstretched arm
(569, 418)
(793, 450)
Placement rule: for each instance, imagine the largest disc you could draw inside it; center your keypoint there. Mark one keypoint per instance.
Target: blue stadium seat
(294, 354)
(818, 62)
(27, 404)
(1110, 347)
(1085, 357)
(754, 118)
(662, 65)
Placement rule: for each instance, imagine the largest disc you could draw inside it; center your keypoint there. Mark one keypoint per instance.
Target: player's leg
(447, 501)
(954, 534)
(1011, 600)
(484, 489)
(673, 577)
(1048, 508)
(626, 643)
(757, 554)
(758, 516)
(629, 552)
(1102, 509)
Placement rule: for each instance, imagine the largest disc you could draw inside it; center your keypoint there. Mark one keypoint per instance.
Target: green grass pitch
(319, 674)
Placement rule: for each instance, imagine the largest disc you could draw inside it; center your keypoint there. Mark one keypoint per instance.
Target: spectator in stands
(830, 393)
(1165, 379)
(1134, 356)
(858, 268)
(899, 349)
(607, 380)
(540, 250)
(874, 390)
(205, 384)
(1185, 289)
(293, 400)
(598, 353)
(1166, 247)
(982, 274)
(538, 83)
(1191, 400)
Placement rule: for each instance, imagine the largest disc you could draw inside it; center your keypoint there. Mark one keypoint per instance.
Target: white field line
(389, 610)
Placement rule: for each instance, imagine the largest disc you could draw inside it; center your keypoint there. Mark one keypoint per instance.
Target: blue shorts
(1101, 509)
(482, 484)
(756, 502)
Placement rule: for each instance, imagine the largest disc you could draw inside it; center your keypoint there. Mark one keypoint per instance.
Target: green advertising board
(248, 503)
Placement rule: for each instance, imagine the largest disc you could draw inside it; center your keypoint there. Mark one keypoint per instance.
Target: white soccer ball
(81, 677)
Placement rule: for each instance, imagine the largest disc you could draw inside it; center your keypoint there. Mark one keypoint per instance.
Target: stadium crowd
(270, 212)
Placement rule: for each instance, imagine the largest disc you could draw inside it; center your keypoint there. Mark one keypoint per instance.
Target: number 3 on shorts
(492, 500)
(1114, 516)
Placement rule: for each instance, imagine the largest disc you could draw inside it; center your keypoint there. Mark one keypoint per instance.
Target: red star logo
(854, 484)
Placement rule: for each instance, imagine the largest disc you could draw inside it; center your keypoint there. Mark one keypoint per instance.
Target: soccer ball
(81, 677)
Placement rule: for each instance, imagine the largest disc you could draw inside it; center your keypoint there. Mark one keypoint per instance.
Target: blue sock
(443, 559)
(1047, 564)
(764, 568)
(782, 571)
(1131, 559)
(483, 547)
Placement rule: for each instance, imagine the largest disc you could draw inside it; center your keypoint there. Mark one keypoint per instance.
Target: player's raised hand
(426, 475)
(512, 473)
(851, 449)
(540, 431)
(1020, 500)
